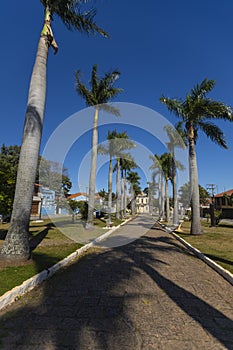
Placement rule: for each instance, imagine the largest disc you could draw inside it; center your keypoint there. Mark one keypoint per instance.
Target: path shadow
(212, 320)
(84, 306)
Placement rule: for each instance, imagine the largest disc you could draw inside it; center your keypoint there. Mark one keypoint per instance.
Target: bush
(218, 216)
(83, 209)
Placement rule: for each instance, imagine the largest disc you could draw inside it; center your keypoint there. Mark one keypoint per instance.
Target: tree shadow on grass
(85, 305)
(35, 240)
(3, 234)
(217, 258)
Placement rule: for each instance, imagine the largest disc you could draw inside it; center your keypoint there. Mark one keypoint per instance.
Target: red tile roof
(226, 193)
(77, 195)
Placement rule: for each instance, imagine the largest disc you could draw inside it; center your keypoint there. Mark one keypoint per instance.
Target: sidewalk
(149, 294)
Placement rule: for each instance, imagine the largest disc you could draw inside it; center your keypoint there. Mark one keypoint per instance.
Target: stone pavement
(149, 294)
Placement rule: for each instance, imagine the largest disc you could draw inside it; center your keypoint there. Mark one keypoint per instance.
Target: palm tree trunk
(167, 201)
(17, 240)
(92, 179)
(174, 193)
(132, 197)
(118, 190)
(110, 190)
(161, 196)
(196, 228)
(125, 197)
(150, 186)
(122, 197)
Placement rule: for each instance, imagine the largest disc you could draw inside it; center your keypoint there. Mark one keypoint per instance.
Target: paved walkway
(150, 294)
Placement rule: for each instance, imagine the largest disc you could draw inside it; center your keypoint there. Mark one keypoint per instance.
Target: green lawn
(52, 246)
(215, 242)
(51, 242)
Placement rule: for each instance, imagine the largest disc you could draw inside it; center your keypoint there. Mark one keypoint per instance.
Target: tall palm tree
(75, 17)
(150, 191)
(110, 150)
(101, 91)
(196, 113)
(175, 140)
(121, 144)
(127, 163)
(157, 170)
(134, 180)
(166, 165)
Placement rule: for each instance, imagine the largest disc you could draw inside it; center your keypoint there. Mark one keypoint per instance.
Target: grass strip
(51, 242)
(216, 242)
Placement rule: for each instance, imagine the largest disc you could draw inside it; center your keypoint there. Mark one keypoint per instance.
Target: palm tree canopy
(156, 166)
(127, 162)
(176, 137)
(166, 165)
(74, 15)
(102, 193)
(117, 142)
(133, 177)
(101, 90)
(197, 110)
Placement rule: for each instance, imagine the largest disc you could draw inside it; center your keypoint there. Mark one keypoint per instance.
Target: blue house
(48, 201)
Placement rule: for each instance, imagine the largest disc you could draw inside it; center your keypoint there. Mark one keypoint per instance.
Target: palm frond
(173, 105)
(103, 150)
(94, 79)
(214, 133)
(156, 162)
(200, 90)
(74, 16)
(106, 91)
(182, 132)
(175, 137)
(179, 165)
(83, 91)
(133, 177)
(102, 90)
(210, 109)
(107, 107)
(127, 162)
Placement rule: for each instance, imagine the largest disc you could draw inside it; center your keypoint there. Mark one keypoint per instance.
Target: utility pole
(211, 187)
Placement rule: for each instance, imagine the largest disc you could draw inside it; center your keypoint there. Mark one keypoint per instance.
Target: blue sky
(159, 47)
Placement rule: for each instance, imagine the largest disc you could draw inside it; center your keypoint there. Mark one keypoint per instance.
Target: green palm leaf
(74, 16)
(214, 133)
(200, 90)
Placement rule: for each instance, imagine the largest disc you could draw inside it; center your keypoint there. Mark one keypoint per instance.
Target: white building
(142, 203)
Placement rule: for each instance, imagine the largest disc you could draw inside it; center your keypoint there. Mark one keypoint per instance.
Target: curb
(17, 292)
(219, 269)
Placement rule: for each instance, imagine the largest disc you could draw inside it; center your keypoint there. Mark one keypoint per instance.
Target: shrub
(83, 209)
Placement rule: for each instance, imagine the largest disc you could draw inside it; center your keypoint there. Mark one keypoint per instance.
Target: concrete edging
(17, 292)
